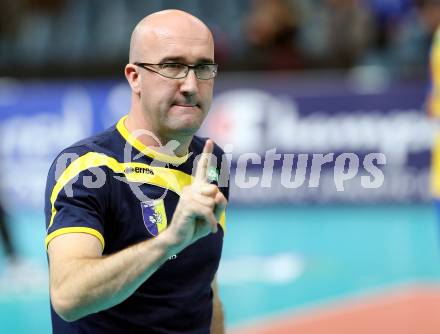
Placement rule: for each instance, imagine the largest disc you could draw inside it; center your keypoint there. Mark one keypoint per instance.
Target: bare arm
(218, 318)
(82, 281)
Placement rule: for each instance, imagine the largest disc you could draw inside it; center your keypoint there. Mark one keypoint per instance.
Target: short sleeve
(76, 196)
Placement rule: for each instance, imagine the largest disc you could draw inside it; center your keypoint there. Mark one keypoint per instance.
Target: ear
(133, 78)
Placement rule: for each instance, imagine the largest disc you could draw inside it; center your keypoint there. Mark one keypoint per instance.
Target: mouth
(186, 105)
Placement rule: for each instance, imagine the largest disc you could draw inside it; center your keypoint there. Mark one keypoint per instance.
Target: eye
(204, 67)
(172, 66)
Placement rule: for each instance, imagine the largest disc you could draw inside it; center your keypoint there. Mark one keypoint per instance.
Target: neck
(170, 145)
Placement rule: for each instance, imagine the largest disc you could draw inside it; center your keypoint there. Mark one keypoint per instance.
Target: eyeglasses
(180, 71)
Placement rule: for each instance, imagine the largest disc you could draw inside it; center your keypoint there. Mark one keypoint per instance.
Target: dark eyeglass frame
(188, 68)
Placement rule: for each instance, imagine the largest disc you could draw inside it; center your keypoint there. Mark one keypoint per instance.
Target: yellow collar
(145, 149)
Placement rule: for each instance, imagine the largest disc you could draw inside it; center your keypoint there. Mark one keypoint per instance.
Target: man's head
(170, 107)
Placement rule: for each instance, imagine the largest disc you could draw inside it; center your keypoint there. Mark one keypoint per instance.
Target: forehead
(182, 44)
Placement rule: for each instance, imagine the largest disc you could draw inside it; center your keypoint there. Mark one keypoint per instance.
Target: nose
(190, 83)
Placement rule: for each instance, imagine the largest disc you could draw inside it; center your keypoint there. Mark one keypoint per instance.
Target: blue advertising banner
(294, 140)
(350, 142)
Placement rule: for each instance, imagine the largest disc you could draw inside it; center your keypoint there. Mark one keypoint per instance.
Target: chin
(187, 123)
(186, 130)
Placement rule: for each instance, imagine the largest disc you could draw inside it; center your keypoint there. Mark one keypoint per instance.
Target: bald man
(135, 215)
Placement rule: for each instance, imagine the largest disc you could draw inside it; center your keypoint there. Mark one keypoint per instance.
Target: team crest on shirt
(154, 216)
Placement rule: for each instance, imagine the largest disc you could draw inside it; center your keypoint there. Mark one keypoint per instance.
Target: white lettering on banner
(254, 121)
(53, 130)
(29, 143)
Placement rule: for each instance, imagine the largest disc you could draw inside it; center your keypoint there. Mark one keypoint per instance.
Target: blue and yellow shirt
(122, 192)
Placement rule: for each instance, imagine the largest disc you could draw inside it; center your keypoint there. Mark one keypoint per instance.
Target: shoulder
(98, 150)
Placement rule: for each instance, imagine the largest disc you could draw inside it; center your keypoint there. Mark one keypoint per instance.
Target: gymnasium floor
(312, 269)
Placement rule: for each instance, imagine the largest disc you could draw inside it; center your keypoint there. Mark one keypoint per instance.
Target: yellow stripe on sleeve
(78, 229)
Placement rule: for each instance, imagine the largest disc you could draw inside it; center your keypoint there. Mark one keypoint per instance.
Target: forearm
(94, 284)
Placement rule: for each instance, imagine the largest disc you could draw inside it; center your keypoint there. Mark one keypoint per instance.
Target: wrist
(169, 243)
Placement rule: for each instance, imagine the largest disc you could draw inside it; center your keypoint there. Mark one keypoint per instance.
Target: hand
(199, 208)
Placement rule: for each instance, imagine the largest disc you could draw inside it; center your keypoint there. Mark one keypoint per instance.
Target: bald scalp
(170, 23)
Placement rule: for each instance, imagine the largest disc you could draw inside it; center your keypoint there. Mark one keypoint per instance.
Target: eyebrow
(183, 60)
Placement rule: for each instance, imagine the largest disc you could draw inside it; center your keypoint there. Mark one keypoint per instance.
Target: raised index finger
(203, 163)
